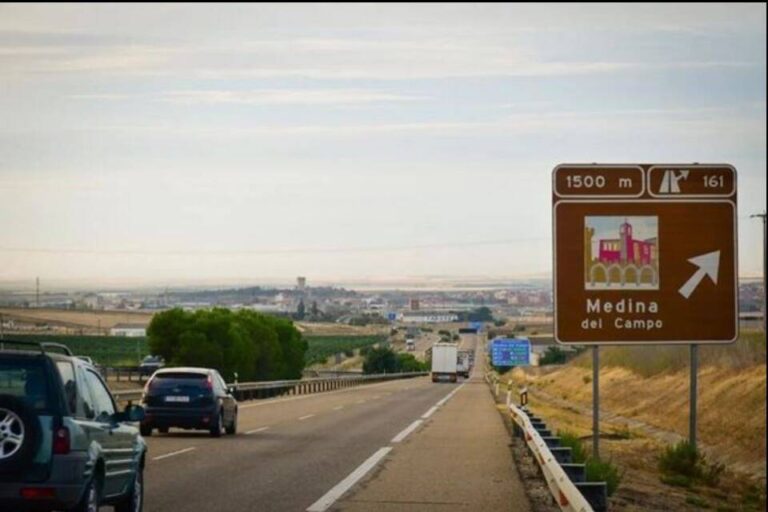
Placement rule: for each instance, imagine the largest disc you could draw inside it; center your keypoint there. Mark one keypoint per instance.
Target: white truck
(464, 364)
(444, 362)
(410, 344)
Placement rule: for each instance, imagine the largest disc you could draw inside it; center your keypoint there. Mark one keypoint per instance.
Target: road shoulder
(459, 459)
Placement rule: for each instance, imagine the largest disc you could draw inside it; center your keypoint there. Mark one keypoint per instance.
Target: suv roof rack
(41, 345)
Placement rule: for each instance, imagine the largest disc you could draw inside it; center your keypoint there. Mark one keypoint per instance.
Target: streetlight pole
(762, 216)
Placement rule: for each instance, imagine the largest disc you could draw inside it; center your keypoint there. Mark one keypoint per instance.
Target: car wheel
(232, 427)
(216, 426)
(90, 500)
(146, 430)
(19, 434)
(134, 500)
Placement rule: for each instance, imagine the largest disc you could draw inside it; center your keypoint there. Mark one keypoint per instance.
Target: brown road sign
(645, 253)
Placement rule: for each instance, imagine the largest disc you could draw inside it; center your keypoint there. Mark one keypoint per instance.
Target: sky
(181, 143)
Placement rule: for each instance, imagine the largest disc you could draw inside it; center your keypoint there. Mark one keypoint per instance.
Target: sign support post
(694, 394)
(596, 402)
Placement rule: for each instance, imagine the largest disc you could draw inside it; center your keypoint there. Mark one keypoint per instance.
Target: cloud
(265, 97)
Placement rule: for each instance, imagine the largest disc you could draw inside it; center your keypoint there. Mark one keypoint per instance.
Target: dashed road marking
(306, 417)
(260, 429)
(178, 452)
(407, 430)
(339, 489)
(429, 413)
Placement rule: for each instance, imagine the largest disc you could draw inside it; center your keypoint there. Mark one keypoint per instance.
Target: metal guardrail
(567, 496)
(267, 389)
(554, 461)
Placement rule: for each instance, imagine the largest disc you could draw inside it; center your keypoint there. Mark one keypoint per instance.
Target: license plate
(177, 399)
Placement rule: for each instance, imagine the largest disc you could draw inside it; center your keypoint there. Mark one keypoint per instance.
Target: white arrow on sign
(708, 264)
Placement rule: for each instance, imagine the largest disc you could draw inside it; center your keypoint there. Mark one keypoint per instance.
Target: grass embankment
(323, 347)
(644, 395)
(104, 350)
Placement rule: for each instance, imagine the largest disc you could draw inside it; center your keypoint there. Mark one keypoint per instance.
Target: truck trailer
(444, 362)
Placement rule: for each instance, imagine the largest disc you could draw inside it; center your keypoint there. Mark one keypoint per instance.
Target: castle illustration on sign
(627, 261)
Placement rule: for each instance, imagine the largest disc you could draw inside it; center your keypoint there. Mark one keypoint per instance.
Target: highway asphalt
(288, 453)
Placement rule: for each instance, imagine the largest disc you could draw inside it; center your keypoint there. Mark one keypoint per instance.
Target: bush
(682, 463)
(604, 471)
(384, 360)
(570, 440)
(553, 355)
(680, 459)
(597, 470)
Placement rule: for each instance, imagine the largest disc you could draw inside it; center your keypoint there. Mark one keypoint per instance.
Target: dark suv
(63, 444)
(191, 398)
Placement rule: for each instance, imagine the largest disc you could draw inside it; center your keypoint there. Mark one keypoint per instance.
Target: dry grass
(651, 385)
(748, 351)
(77, 319)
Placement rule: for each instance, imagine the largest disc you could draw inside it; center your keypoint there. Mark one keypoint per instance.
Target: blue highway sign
(511, 352)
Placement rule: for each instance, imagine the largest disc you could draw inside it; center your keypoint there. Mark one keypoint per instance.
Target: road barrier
(566, 481)
(267, 389)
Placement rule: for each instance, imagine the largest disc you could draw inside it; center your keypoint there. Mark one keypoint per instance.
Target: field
(76, 320)
(323, 347)
(104, 350)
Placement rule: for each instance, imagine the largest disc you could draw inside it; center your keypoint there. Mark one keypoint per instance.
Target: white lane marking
(306, 417)
(260, 429)
(314, 395)
(440, 403)
(179, 452)
(407, 430)
(339, 489)
(338, 408)
(429, 413)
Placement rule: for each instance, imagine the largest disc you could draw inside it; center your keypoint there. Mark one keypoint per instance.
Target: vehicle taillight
(61, 441)
(37, 493)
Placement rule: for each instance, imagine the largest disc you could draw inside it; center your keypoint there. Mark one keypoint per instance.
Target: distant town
(527, 301)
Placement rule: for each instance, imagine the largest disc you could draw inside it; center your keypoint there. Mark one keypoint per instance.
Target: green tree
(255, 346)
(301, 310)
(380, 360)
(408, 363)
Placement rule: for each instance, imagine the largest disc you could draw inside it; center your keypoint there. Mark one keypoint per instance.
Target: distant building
(428, 318)
(90, 301)
(301, 283)
(128, 330)
(414, 304)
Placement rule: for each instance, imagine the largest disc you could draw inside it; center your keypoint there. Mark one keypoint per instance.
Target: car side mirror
(132, 413)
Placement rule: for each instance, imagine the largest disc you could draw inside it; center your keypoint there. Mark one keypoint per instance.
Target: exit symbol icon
(669, 183)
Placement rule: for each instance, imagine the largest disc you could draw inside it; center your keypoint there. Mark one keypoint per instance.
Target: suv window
(67, 373)
(186, 383)
(26, 379)
(102, 402)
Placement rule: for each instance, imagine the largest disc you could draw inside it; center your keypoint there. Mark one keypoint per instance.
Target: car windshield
(180, 382)
(25, 379)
